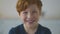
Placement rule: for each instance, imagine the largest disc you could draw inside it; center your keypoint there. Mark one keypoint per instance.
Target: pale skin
(30, 17)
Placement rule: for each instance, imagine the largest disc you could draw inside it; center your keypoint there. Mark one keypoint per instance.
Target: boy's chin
(30, 24)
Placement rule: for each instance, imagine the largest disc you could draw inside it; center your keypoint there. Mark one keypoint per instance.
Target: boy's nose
(29, 15)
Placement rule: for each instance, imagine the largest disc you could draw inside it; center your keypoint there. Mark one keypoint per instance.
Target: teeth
(30, 21)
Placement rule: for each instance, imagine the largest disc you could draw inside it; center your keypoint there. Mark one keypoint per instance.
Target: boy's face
(30, 16)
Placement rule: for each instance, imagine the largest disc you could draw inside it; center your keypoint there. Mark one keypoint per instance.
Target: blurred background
(50, 15)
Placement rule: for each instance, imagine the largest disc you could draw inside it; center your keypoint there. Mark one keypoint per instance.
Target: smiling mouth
(30, 21)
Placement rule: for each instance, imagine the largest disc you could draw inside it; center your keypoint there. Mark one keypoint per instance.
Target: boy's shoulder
(44, 29)
(16, 29)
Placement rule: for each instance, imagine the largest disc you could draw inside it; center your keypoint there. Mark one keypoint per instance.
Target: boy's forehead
(32, 7)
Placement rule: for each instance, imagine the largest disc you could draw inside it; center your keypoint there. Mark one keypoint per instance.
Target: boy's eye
(25, 12)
